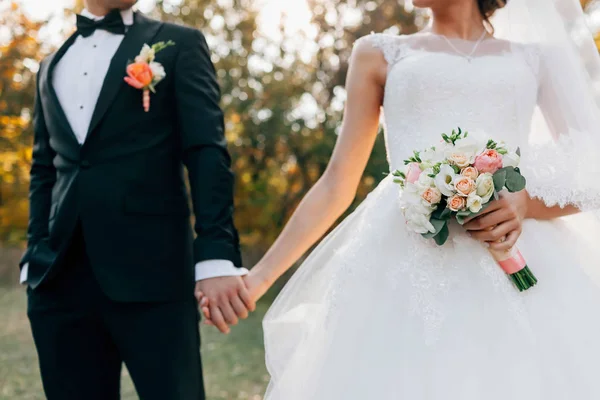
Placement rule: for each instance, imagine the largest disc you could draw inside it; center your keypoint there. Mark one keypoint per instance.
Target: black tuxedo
(110, 219)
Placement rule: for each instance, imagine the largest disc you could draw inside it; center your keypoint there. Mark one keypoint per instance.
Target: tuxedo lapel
(141, 32)
(50, 102)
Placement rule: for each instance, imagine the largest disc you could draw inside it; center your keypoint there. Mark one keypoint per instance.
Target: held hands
(254, 287)
(225, 299)
(500, 224)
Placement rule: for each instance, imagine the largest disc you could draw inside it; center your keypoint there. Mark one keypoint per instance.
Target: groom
(111, 261)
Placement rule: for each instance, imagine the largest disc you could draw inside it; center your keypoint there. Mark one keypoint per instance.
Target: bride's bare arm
(335, 190)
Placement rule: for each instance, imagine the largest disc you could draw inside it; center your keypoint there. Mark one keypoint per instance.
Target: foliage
(19, 58)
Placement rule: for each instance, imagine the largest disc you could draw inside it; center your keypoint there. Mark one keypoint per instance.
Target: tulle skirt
(378, 312)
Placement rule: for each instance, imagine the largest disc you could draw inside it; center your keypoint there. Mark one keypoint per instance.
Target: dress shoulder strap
(393, 47)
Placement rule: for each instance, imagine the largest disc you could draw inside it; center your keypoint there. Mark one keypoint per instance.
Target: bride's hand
(500, 224)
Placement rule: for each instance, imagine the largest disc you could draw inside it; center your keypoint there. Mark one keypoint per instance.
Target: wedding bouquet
(457, 180)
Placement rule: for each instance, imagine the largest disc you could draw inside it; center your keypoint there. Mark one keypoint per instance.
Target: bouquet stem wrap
(514, 265)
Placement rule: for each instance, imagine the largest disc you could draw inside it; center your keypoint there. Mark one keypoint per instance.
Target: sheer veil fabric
(562, 163)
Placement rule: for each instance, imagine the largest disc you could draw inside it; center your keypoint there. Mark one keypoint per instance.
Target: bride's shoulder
(391, 46)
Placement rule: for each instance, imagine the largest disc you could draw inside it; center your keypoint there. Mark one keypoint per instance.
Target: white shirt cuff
(24, 273)
(216, 269)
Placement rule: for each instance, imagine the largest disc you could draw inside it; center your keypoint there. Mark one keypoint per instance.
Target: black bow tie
(112, 23)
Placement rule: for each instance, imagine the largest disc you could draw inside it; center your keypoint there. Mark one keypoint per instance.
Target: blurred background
(282, 66)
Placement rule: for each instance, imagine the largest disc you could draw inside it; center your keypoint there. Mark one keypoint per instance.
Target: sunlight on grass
(233, 365)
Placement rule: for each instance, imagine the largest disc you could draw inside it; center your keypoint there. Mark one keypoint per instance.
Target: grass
(233, 364)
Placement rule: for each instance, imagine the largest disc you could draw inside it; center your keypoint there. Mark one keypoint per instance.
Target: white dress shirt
(77, 79)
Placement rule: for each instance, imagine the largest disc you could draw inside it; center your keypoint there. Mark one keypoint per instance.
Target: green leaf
(438, 225)
(515, 182)
(442, 237)
(442, 212)
(462, 215)
(499, 179)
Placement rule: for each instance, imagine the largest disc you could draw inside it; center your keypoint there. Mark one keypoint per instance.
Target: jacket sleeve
(201, 125)
(43, 178)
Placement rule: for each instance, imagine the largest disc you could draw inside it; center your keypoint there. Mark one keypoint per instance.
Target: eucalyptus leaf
(462, 215)
(442, 237)
(515, 182)
(438, 225)
(499, 179)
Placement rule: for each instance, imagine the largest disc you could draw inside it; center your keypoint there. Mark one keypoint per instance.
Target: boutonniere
(145, 73)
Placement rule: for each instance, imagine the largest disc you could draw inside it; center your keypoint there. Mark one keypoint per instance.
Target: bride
(377, 311)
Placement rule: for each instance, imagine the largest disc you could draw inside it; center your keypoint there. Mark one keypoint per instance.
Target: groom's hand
(228, 300)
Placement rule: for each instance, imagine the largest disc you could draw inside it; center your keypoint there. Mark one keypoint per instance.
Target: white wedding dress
(377, 312)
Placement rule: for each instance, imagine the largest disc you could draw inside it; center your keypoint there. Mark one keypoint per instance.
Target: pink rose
(489, 161)
(464, 186)
(414, 171)
(470, 172)
(432, 196)
(457, 203)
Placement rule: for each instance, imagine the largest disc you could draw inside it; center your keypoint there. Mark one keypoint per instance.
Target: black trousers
(83, 338)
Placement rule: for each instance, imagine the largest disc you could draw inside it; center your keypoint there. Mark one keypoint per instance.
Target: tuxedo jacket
(125, 185)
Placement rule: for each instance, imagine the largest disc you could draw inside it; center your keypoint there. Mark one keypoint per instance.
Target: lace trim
(561, 174)
(392, 47)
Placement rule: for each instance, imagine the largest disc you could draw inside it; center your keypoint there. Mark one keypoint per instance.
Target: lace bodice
(431, 89)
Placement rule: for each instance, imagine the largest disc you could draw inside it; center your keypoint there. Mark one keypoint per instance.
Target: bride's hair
(487, 8)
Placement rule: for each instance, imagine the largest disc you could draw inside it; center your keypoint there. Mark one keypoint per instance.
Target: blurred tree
(19, 56)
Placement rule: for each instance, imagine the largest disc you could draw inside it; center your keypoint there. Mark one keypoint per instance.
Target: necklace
(469, 56)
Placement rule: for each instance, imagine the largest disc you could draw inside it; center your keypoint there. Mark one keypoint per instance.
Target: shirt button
(85, 74)
(81, 107)
(95, 46)
(85, 164)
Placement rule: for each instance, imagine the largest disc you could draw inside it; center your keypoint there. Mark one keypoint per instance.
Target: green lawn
(234, 364)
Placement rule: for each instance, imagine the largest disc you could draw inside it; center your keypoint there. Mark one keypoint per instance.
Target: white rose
(474, 203)
(467, 148)
(158, 72)
(146, 55)
(444, 180)
(418, 222)
(426, 181)
(511, 159)
(485, 187)
(431, 157)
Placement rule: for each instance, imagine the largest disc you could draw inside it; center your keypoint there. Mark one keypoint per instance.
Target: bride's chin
(424, 3)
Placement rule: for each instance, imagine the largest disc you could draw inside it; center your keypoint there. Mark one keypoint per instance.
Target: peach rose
(464, 185)
(432, 196)
(413, 173)
(139, 75)
(470, 172)
(489, 161)
(457, 203)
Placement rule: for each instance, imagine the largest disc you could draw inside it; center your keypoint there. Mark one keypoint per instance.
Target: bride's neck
(461, 20)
